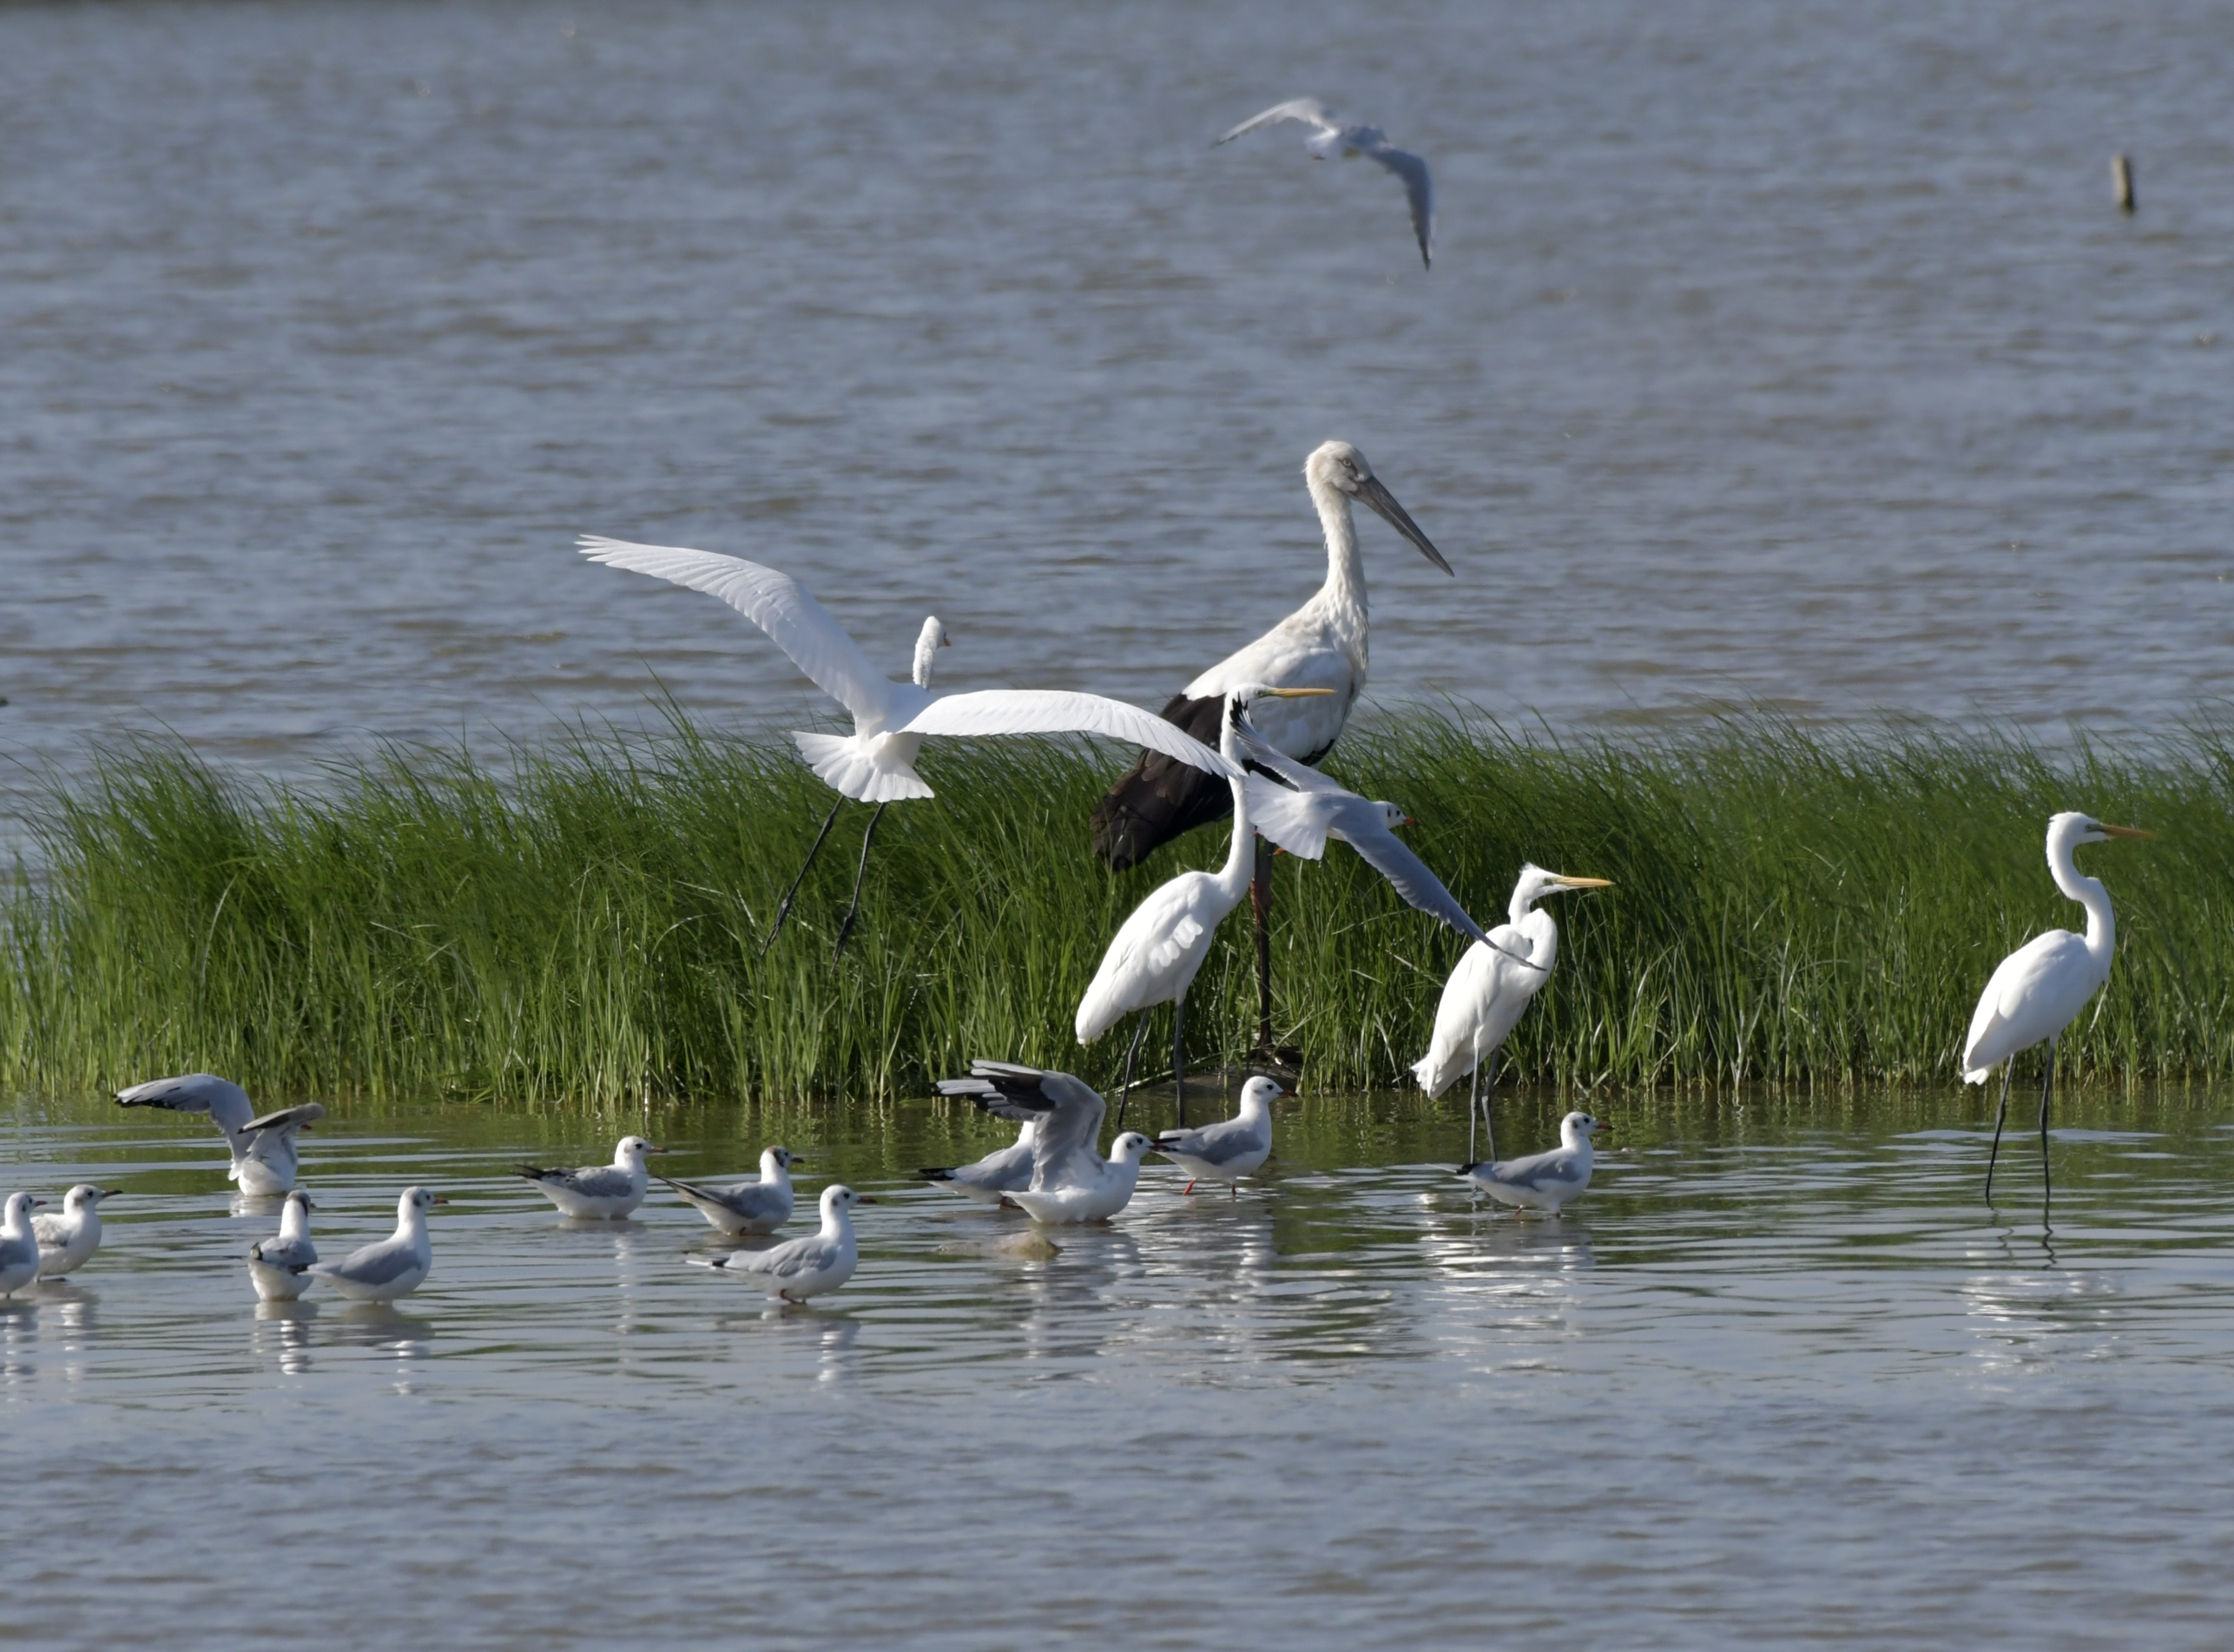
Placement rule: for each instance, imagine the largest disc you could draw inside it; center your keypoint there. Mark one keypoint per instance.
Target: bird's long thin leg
(2007, 1072)
(783, 910)
(1125, 1090)
(1179, 1053)
(1260, 891)
(1473, 1115)
(847, 928)
(2047, 1088)
(1489, 1098)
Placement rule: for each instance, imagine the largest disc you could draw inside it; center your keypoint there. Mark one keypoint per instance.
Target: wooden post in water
(2121, 179)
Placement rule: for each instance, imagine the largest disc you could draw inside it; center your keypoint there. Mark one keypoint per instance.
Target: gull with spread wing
(1071, 1180)
(876, 763)
(1333, 139)
(264, 1155)
(999, 1172)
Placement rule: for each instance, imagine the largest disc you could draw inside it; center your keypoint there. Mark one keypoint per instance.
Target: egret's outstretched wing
(1418, 188)
(1309, 110)
(1055, 711)
(226, 1102)
(798, 624)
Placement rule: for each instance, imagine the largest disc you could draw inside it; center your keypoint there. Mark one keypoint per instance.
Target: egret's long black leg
(2008, 1072)
(1473, 1115)
(1259, 892)
(2047, 1088)
(847, 928)
(1179, 1053)
(784, 911)
(1488, 1100)
(1125, 1090)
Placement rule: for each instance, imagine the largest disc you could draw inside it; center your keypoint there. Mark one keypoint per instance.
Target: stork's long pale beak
(1305, 694)
(2124, 832)
(1385, 506)
(1566, 882)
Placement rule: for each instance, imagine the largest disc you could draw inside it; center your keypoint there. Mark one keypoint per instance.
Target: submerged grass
(583, 920)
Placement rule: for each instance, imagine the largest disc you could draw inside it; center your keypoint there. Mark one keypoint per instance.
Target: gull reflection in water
(70, 1323)
(19, 1331)
(242, 1205)
(827, 1333)
(1075, 1306)
(381, 1326)
(282, 1330)
(1529, 1276)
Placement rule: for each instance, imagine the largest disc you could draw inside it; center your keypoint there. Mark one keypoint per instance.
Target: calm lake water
(1776, 352)
(1779, 1378)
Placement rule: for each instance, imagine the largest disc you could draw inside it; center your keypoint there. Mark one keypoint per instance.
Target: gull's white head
(838, 1197)
(928, 642)
(628, 1152)
(1128, 1147)
(1262, 1092)
(1578, 1128)
(19, 1207)
(83, 1197)
(1393, 816)
(1338, 469)
(777, 1161)
(415, 1202)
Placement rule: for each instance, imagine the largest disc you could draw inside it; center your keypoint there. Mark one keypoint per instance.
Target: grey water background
(1774, 353)
(1781, 1378)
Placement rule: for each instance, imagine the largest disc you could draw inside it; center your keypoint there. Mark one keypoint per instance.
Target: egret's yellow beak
(2124, 832)
(1305, 694)
(1566, 882)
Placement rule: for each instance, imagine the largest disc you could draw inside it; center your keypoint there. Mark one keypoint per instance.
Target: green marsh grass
(583, 921)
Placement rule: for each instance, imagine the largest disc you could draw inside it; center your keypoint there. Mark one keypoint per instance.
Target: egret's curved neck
(1344, 585)
(1523, 903)
(1241, 859)
(2101, 925)
(926, 656)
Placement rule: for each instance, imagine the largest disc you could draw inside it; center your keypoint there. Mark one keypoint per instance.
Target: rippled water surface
(1772, 352)
(1780, 1376)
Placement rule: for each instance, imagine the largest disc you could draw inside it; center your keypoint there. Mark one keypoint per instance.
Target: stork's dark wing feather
(1158, 799)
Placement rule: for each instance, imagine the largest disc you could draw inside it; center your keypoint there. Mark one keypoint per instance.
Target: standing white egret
(1490, 990)
(1159, 948)
(1333, 140)
(2038, 989)
(264, 1155)
(876, 763)
(1321, 645)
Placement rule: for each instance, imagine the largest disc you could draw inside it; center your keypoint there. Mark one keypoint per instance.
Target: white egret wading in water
(1333, 140)
(1159, 948)
(876, 763)
(1321, 645)
(2040, 988)
(1490, 990)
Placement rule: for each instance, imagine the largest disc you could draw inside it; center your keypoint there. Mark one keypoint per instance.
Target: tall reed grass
(582, 921)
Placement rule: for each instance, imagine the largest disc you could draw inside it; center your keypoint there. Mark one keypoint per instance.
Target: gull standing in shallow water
(1070, 1181)
(1005, 1171)
(598, 1191)
(1489, 991)
(19, 1246)
(264, 1159)
(1228, 1151)
(1332, 140)
(759, 1207)
(398, 1265)
(876, 763)
(67, 1241)
(2039, 989)
(279, 1268)
(799, 1268)
(1543, 1180)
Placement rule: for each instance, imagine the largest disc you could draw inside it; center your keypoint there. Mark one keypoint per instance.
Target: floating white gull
(1063, 1115)
(1096, 1197)
(998, 1173)
(264, 1159)
(876, 763)
(279, 1268)
(398, 1265)
(1331, 139)
(67, 1241)
(759, 1207)
(19, 1246)
(1543, 1180)
(799, 1268)
(1232, 1148)
(598, 1191)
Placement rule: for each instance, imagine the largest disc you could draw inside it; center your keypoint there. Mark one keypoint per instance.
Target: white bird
(1490, 990)
(2040, 988)
(1321, 645)
(19, 1245)
(280, 1267)
(398, 1265)
(1232, 1148)
(1088, 1198)
(264, 1158)
(799, 1268)
(760, 1207)
(1159, 950)
(876, 763)
(1543, 1180)
(998, 1173)
(1062, 1116)
(1331, 139)
(598, 1191)
(67, 1241)
(1298, 808)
